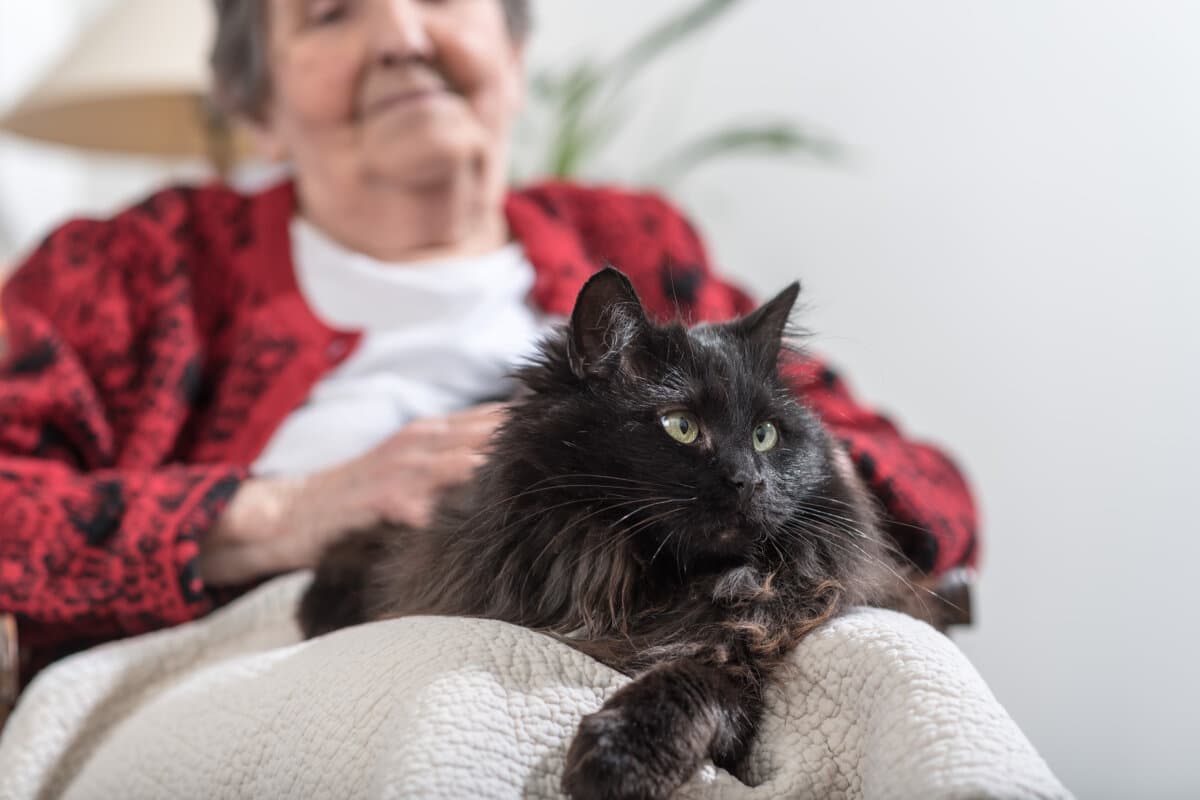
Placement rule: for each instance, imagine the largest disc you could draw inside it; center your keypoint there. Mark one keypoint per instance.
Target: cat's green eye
(681, 426)
(765, 437)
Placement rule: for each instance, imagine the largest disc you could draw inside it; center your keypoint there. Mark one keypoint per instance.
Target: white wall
(1007, 260)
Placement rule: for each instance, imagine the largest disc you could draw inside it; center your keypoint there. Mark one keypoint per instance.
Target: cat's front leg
(337, 596)
(654, 733)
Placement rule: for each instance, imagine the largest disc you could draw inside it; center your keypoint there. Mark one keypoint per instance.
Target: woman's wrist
(258, 511)
(249, 539)
(285, 523)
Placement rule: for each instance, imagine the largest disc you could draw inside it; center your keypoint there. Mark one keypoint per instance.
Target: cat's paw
(613, 757)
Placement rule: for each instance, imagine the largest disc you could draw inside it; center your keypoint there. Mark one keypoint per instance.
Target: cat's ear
(608, 318)
(768, 323)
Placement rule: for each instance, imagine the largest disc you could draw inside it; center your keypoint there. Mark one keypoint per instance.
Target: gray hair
(242, 77)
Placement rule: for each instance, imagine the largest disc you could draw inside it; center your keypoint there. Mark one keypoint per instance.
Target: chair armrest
(948, 598)
(9, 666)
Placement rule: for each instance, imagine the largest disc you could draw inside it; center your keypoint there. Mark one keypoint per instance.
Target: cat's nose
(745, 483)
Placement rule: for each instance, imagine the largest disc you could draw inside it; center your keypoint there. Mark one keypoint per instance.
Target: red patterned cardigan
(151, 356)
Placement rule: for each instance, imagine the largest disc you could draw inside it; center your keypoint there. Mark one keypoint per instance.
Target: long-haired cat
(658, 496)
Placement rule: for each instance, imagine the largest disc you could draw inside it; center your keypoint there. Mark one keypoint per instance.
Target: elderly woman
(208, 388)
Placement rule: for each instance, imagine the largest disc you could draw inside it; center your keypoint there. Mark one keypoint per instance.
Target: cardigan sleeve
(927, 504)
(99, 529)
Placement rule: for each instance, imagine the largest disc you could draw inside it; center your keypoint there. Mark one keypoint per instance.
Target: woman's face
(392, 90)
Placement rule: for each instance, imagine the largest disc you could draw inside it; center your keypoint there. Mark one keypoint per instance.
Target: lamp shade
(136, 81)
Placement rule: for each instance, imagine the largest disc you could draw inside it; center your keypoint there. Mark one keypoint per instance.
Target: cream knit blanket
(876, 705)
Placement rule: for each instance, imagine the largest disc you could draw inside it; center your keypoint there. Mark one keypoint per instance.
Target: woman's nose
(399, 30)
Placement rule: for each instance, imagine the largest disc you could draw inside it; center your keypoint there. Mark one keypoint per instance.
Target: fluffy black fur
(694, 567)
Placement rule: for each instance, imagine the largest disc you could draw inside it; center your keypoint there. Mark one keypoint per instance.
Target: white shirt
(438, 336)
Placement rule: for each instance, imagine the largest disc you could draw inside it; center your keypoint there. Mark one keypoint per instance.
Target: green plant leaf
(570, 140)
(662, 38)
(781, 138)
(581, 115)
(588, 118)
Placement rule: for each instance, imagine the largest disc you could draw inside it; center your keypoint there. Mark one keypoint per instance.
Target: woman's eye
(765, 437)
(681, 426)
(326, 12)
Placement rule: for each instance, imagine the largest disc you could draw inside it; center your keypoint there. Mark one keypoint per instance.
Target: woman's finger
(472, 428)
(455, 467)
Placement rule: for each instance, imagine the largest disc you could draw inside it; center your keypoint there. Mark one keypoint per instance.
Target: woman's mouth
(401, 99)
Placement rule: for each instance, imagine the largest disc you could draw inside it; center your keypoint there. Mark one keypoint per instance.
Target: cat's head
(685, 442)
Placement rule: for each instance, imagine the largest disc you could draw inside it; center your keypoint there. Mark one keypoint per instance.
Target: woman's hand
(274, 525)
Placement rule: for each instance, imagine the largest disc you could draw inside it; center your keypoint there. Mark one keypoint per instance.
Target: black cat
(659, 495)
